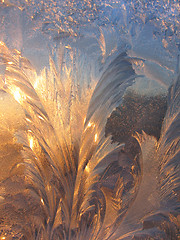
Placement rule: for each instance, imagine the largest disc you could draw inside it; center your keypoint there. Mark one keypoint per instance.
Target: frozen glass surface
(89, 119)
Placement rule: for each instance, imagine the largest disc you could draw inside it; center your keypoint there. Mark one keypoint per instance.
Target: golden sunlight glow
(3, 237)
(90, 124)
(16, 51)
(87, 169)
(2, 44)
(42, 201)
(18, 165)
(36, 84)
(28, 120)
(31, 142)
(40, 117)
(68, 47)
(10, 63)
(38, 81)
(17, 96)
(48, 187)
(95, 137)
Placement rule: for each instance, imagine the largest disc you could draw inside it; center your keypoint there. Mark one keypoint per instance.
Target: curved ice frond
(50, 151)
(90, 196)
(155, 211)
(147, 197)
(169, 147)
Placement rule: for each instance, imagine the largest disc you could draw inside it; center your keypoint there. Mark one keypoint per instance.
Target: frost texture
(62, 172)
(80, 155)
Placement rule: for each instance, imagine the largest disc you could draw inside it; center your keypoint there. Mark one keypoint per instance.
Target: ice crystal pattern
(67, 184)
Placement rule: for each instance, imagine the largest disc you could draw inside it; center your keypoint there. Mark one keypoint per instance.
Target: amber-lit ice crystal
(89, 134)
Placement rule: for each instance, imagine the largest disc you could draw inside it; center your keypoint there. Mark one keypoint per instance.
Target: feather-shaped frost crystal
(69, 178)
